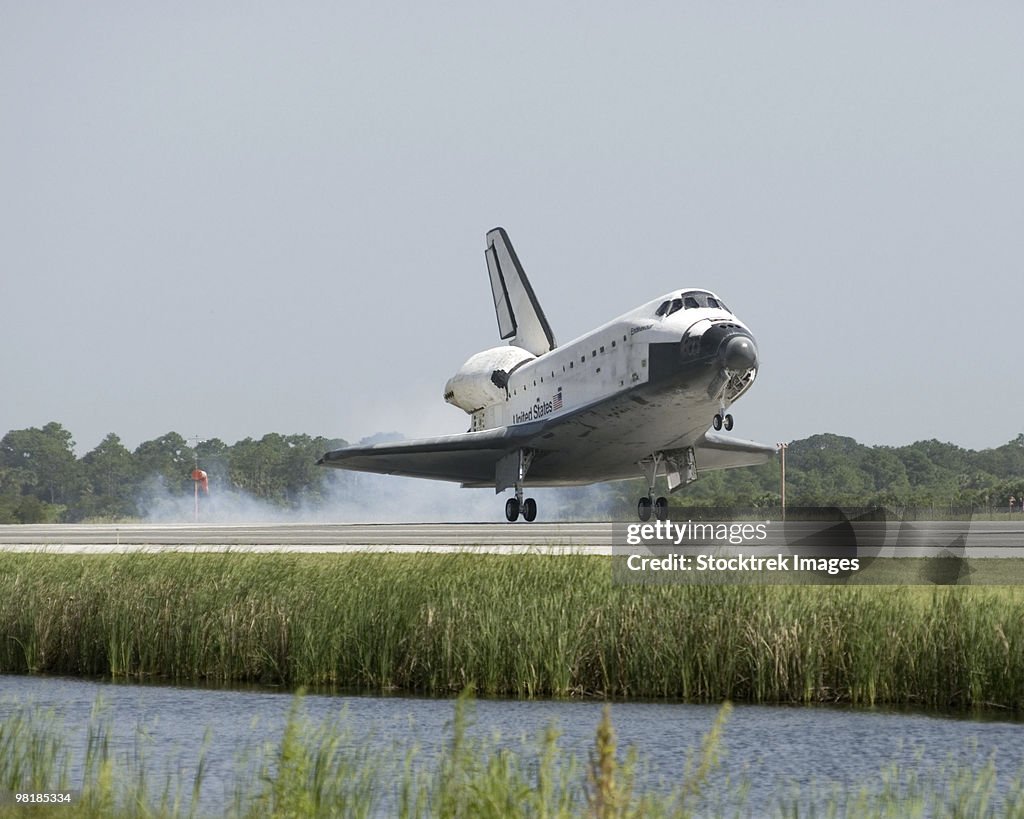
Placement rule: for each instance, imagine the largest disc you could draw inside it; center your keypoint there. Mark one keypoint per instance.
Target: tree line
(42, 480)
(834, 470)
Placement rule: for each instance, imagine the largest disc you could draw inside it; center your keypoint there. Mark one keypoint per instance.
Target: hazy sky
(231, 220)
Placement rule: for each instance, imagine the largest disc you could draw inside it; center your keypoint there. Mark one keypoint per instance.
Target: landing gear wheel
(727, 422)
(661, 508)
(717, 422)
(529, 510)
(643, 508)
(512, 510)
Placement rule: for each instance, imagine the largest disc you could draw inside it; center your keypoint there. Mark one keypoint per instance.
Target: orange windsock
(200, 477)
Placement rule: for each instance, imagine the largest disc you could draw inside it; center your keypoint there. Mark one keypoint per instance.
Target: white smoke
(387, 498)
(351, 497)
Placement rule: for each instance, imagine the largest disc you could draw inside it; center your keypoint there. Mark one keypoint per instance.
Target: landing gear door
(680, 468)
(511, 470)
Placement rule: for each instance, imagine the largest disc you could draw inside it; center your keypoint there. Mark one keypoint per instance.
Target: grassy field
(321, 770)
(510, 626)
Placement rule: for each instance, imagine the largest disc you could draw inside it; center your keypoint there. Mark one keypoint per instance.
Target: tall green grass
(523, 626)
(313, 770)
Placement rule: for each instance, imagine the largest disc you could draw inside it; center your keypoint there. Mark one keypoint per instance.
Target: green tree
(44, 463)
(111, 481)
(886, 473)
(167, 459)
(18, 507)
(282, 468)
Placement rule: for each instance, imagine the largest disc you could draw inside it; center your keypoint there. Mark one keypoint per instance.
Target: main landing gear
(720, 421)
(644, 507)
(517, 505)
(510, 472)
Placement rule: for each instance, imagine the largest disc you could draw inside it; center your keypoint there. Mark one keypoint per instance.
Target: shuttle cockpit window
(694, 299)
(700, 298)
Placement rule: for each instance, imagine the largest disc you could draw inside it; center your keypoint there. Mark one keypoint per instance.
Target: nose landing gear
(720, 421)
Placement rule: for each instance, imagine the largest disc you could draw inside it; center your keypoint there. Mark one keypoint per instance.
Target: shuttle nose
(738, 353)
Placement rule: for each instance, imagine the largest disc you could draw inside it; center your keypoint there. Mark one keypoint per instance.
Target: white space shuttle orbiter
(645, 394)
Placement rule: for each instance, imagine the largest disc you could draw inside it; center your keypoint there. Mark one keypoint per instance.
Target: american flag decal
(558, 400)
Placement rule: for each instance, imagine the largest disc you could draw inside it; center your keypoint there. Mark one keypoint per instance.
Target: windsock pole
(782, 480)
(199, 477)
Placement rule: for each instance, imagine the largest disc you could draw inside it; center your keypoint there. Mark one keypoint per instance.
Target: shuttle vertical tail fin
(521, 321)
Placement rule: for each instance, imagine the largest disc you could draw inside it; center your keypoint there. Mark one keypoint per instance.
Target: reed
(321, 770)
(521, 626)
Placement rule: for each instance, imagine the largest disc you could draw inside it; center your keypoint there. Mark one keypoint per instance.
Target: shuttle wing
(468, 457)
(471, 458)
(521, 321)
(714, 451)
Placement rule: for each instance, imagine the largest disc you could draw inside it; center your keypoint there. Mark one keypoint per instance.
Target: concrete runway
(590, 538)
(978, 538)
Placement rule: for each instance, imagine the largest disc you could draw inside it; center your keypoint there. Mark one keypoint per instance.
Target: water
(765, 746)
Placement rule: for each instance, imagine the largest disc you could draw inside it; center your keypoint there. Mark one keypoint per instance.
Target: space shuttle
(646, 394)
